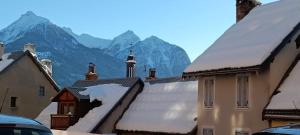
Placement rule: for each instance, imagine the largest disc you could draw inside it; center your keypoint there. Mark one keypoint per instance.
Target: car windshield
(22, 131)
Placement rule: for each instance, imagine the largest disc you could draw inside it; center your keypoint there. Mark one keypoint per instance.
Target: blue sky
(192, 24)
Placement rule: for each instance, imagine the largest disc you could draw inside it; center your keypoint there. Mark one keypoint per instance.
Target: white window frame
(242, 130)
(208, 127)
(214, 92)
(249, 91)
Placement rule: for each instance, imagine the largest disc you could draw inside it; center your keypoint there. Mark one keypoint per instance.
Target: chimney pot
(47, 65)
(243, 7)
(30, 47)
(2, 49)
(152, 74)
(91, 74)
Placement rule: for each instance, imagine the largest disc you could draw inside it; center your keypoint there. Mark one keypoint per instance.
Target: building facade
(26, 86)
(238, 73)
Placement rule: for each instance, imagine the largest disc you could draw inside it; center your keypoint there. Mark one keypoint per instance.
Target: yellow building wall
(225, 117)
(23, 80)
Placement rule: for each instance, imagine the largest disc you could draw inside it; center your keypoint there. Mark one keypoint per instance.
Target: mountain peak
(31, 18)
(26, 22)
(29, 13)
(129, 34)
(154, 40)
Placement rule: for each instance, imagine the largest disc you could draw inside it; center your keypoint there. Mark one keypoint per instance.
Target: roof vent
(30, 47)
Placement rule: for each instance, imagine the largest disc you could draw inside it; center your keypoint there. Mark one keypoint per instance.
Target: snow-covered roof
(168, 107)
(109, 94)
(289, 92)
(44, 117)
(5, 61)
(250, 41)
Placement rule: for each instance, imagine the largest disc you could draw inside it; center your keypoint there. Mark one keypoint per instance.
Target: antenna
(145, 71)
(4, 99)
(130, 52)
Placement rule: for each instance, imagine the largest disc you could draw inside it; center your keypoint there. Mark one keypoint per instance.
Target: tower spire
(130, 65)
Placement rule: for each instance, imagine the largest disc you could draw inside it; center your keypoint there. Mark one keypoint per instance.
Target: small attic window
(298, 42)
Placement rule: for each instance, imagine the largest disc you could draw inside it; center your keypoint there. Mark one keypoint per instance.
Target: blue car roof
(290, 130)
(7, 119)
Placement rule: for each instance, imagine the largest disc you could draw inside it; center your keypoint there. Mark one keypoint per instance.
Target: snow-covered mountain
(121, 42)
(26, 22)
(70, 58)
(168, 59)
(88, 40)
(71, 53)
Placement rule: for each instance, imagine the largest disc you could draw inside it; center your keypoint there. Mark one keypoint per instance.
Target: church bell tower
(130, 65)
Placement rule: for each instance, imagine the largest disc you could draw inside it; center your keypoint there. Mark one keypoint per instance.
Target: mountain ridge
(71, 56)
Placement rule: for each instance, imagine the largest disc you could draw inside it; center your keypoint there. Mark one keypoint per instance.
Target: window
(207, 131)
(42, 91)
(67, 108)
(242, 91)
(209, 92)
(242, 133)
(298, 42)
(13, 101)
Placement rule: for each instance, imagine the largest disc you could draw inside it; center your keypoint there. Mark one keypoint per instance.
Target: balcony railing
(62, 122)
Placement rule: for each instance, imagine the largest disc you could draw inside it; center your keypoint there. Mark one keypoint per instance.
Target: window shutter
(206, 93)
(211, 91)
(242, 91)
(246, 90)
(239, 91)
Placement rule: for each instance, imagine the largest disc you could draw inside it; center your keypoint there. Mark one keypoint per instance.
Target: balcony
(62, 121)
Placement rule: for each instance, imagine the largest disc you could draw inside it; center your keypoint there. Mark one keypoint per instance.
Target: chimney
(91, 74)
(2, 48)
(30, 47)
(152, 72)
(130, 65)
(47, 64)
(243, 7)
